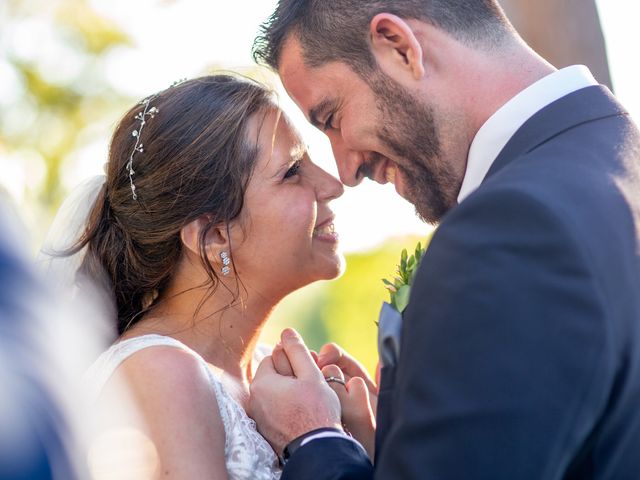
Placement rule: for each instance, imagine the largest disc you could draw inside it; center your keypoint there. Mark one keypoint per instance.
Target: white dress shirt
(503, 124)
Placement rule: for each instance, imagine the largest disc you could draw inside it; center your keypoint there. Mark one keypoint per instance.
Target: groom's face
(377, 129)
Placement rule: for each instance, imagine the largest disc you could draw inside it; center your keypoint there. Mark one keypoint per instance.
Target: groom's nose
(349, 163)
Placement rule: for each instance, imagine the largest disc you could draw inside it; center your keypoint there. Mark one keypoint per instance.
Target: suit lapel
(583, 106)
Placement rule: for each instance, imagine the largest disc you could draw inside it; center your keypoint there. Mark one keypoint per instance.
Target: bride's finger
(359, 394)
(332, 353)
(281, 362)
(334, 377)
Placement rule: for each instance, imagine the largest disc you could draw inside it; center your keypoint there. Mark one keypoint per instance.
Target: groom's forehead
(313, 89)
(297, 78)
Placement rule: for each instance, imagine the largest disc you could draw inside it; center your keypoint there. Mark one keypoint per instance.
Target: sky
(185, 38)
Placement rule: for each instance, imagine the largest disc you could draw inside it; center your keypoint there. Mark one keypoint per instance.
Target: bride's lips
(325, 231)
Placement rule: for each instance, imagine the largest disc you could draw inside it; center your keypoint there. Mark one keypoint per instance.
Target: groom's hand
(285, 407)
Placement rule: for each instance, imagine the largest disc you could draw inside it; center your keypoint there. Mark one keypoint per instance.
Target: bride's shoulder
(174, 393)
(167, 374)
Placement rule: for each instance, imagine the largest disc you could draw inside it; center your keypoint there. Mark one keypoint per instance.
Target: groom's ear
(395, 47)
(216, 238)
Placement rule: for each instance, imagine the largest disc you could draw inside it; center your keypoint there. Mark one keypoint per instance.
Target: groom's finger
(299, 356)
(265, 369)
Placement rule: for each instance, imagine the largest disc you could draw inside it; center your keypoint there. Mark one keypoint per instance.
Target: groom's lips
(373, 168)
(384, 171)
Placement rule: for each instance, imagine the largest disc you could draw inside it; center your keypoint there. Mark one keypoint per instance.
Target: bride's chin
(336, 268)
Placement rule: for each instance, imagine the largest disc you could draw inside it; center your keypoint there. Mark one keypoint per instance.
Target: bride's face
(286, 225)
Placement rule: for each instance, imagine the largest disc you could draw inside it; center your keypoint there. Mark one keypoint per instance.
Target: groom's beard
(410, 131)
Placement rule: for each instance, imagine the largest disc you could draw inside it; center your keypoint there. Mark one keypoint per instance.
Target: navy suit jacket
(521, 342)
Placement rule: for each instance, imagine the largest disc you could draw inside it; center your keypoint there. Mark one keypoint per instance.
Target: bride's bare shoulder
(178, 403)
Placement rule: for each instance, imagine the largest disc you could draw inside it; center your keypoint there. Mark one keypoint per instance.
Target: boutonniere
(400, 287)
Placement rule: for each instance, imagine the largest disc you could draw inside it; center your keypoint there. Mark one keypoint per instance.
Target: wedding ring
(335, 379)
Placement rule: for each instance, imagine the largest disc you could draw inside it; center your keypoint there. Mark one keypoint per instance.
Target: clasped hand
(290, 396)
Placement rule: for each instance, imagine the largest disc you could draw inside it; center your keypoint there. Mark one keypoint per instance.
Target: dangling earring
(225, 263)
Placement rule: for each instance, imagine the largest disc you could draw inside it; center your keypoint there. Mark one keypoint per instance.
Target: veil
(67, 228)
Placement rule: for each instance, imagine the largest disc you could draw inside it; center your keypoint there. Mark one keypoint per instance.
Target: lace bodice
(247, 453)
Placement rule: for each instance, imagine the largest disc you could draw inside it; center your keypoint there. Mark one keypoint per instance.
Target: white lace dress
(247, 453)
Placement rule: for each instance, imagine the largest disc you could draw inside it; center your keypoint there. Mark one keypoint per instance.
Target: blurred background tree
(52, 60)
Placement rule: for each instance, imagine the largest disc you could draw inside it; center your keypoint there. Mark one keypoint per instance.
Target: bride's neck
(223, 329)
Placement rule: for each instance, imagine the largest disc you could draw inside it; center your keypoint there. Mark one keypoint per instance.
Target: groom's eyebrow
(319, 111)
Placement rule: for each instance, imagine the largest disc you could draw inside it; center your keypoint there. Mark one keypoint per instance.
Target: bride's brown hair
(197, 161)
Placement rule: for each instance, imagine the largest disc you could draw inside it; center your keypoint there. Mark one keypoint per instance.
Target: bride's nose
(328, 187)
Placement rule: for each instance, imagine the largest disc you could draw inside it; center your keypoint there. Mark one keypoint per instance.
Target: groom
(520, 353)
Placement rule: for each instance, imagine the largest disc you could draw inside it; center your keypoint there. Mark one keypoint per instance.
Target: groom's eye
(328, 123)
(294, 169)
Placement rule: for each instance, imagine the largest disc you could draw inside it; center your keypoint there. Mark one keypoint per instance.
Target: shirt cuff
(331, 434)
(318, 434)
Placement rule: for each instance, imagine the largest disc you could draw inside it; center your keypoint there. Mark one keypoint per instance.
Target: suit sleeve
(503, 366)
(329, 459)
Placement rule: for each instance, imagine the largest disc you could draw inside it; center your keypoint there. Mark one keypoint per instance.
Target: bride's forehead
(276, 130)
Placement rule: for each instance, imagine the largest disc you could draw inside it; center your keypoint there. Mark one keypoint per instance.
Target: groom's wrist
(319, 433)
(303, 439)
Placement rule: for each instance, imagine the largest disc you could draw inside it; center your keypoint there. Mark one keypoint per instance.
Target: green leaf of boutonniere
(400, 287)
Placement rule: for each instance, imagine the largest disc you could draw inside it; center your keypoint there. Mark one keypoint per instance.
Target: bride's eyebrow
(298, 151)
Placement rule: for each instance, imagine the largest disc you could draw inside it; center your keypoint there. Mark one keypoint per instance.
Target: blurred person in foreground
(520, 346)
(210, 212)
(36, 433)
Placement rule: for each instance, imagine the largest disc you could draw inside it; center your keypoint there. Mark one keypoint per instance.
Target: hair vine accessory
(225, 263)
(178, 82)
(147, 112)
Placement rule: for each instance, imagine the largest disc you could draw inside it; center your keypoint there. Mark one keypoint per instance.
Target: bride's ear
(216, 240)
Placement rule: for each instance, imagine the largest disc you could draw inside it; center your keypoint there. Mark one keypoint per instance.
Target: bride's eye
(293, 170)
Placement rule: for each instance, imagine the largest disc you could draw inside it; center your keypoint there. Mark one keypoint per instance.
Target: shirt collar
(503, 124)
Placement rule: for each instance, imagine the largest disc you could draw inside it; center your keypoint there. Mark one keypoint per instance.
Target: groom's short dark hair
(337, 30)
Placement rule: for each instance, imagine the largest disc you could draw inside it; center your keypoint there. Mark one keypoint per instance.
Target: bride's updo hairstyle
(196, 160)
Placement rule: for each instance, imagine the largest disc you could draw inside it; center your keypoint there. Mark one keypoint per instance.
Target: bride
(210, 213)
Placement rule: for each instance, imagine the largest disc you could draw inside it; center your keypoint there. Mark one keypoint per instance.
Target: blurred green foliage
(344, 311)
(56, 52)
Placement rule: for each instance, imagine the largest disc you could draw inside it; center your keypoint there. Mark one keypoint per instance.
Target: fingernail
(290, 334)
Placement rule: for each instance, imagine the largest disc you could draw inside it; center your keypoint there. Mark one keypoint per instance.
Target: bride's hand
(333, 354)
(281, 362)
(355, 403)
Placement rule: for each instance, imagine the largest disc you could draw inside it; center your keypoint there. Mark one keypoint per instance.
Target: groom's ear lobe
(215, 241)
(395, 47)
